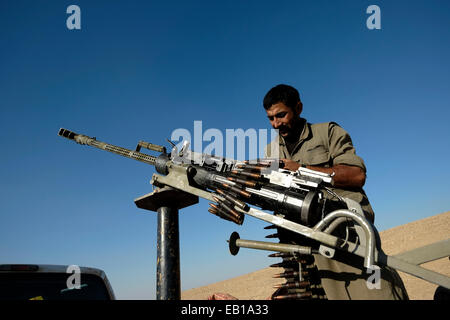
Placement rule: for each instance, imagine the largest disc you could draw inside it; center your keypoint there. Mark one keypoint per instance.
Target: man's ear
(299, 108)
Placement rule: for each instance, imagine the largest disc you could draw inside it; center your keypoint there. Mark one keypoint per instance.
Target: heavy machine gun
(262, 183)
(297, 200)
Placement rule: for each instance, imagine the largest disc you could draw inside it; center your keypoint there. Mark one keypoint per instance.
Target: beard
(292, 132)
(285, 131)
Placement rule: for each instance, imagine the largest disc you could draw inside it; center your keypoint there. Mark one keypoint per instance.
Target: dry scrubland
(258, 284)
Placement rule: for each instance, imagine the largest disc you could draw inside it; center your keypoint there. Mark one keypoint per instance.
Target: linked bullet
(294, 296)
(226, 215)
(289, 269)
(298, 260)
(281, 255)
(240, 204)
(246, 183)
(289, 291)
(263, 162)
(243, 193)
(227, 202)
(289, 259)
(214, 212)
(247, 174)
(292, 285)
(218, 211)
(227, 208)
(291, 274)
(256, 167)
(284, 264)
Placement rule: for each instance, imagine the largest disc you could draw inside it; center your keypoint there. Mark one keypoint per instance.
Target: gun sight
(150, 146)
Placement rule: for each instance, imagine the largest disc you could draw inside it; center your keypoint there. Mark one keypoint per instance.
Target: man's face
(283, 118)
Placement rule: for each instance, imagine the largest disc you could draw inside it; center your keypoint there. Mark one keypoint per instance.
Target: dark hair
(281, 93)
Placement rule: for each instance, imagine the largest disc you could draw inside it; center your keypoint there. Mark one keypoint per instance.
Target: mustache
(284, 128)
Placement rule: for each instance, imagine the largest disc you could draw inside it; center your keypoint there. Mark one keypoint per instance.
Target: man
(326, 147)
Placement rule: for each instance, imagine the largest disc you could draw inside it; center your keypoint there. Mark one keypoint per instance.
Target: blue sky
(139, 70)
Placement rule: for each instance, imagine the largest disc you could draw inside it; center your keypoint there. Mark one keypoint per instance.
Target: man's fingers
(290, 164)
(221, 296)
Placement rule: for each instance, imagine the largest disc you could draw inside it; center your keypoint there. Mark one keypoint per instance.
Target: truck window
(50, 286)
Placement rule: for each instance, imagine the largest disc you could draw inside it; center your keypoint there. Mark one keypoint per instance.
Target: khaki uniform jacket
(325, 145)
(343, 277)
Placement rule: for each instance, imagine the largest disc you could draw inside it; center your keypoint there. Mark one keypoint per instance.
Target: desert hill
(259, 284)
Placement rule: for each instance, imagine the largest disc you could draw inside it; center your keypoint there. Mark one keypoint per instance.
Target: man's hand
(290, 165)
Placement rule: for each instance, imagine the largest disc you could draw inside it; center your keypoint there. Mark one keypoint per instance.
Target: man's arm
(345, 176)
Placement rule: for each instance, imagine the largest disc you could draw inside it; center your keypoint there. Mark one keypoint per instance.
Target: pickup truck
(50, 282)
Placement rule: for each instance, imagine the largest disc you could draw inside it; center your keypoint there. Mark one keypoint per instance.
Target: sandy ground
(259, 284)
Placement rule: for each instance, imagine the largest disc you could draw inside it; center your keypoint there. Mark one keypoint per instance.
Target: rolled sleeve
(341, 148)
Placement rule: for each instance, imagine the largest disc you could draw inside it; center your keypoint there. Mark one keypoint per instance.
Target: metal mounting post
(167, 201)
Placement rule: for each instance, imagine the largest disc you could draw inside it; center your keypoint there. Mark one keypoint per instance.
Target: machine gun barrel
(92, 141)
